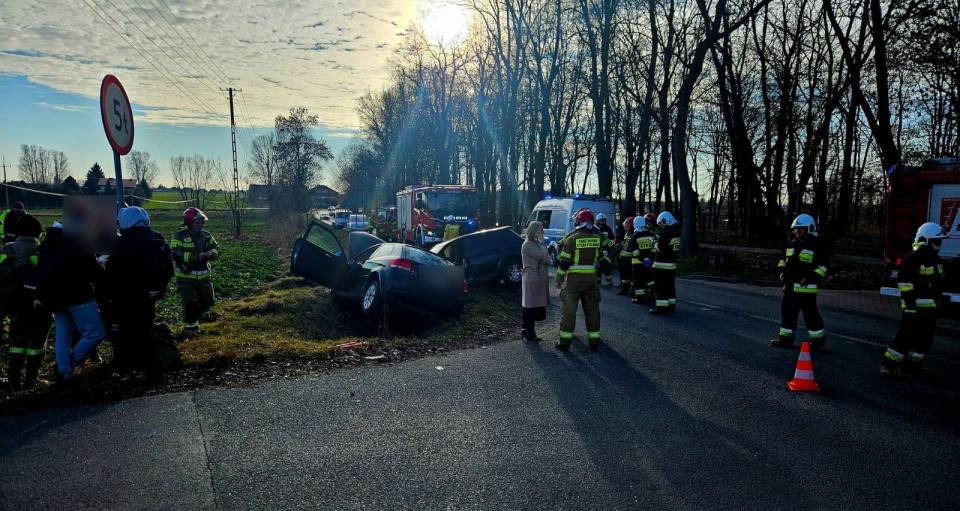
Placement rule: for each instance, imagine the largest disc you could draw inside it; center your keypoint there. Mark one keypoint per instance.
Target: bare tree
(36, 164)
(60, 167)
(142, 167)
(192, 176)
(235, 202)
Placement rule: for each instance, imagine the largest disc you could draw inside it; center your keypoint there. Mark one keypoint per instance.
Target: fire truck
(930, 193)
(422, 212)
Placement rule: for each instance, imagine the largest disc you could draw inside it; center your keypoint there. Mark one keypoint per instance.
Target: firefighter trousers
(914, 338)
(580, 289)
(132, 338)
(28, 336)
(642, 281)
(626, 272)
(790, 308)
(665, 285)
(197, 297)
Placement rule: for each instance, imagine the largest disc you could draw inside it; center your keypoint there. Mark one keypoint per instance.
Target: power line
(137, 26)
(176, 47)
(189, 34)
(165, 73)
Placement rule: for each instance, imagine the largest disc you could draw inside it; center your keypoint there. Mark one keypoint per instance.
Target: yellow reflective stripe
(16, 350)
(665, 266)
(34, 353)
(926, 303)
(905, 286)
(790, 252)
(3, 257)
(34, 260)
(893, 355)
(781, 264)
(582, 268)
(806, 256)
(565, 255)
(809, 288)
(821, 270)
(927, 270)
(566, 335)
(593, 335)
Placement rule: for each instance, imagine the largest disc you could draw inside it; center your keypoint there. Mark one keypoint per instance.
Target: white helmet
(930, 231)
(666, 218)
(601, 217)
(450, 218)
(639, 223)
(805, 221)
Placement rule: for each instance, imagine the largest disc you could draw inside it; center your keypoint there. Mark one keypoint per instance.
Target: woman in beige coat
(535, 281)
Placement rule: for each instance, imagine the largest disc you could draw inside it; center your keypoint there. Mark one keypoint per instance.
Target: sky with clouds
(173, 56)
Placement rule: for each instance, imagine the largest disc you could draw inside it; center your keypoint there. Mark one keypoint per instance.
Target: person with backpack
(67, 276)
(28, 324)
(136, 277)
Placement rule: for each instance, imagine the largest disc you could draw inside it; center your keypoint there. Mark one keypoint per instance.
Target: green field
(168, 200)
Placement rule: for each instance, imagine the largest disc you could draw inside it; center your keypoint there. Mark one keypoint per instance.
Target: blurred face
(936, 244)
(197, 225)
(800, 232)
(16, 209)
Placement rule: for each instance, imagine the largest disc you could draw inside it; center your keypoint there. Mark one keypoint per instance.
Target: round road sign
(116, 114)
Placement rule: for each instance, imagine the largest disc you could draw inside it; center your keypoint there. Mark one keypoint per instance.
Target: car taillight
(898, 261)
(405, 264)
(466, 286)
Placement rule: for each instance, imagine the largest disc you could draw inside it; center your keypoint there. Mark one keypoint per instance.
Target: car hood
(359, 241)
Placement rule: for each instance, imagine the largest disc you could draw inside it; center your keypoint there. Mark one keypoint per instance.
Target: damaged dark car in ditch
(379, 277)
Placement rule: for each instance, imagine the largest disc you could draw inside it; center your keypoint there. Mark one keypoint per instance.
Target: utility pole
(236, 174)
(6, 191)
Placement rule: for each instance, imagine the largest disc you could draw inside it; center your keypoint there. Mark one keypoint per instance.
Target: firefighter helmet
(583, 216)
(666, 218)
(804, 221)
(191, 215)
(601, 218)
(930, 231)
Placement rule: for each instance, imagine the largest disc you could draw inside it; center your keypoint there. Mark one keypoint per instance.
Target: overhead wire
(215, 65)
(156, 65)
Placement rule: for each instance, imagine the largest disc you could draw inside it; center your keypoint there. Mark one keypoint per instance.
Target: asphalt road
(686, 412)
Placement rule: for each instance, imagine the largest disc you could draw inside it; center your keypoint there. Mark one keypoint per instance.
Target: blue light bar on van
(548, 196)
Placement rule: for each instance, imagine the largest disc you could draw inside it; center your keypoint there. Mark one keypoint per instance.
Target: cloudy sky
(172, 57)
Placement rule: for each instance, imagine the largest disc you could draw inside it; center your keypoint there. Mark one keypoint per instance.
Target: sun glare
(444, 22)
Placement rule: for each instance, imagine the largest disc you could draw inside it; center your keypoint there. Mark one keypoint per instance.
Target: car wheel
(372, 299)
(512, 272)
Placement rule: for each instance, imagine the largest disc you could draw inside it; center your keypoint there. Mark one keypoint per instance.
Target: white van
(556, 217)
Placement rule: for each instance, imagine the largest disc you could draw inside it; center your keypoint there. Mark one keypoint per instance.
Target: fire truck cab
(423, 212)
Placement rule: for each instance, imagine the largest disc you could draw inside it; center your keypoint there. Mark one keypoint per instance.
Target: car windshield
(441, 204)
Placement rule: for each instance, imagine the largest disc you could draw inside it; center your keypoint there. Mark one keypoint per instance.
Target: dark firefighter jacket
(920, 279)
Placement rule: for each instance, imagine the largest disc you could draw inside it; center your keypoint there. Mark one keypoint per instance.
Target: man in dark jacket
(137, 275)
(28, 324)
(66, 278)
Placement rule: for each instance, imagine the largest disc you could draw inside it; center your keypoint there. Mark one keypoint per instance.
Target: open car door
(318, 256)
(358, 241)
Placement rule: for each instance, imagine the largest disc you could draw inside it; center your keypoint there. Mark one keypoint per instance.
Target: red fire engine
(915, 195)
(422, 211)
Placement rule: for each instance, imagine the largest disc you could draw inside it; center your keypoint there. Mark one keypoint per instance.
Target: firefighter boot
(563, 344)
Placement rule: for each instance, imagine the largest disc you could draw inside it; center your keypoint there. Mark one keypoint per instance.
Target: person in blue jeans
(67, 275)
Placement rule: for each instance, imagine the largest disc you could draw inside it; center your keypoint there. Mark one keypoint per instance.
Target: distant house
(324, 197)
(261, 195)
(109, 182)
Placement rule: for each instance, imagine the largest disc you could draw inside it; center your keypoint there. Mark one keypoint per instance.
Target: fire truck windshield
(441, 204)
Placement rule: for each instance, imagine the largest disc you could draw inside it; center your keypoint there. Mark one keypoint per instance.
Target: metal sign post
(117, 116)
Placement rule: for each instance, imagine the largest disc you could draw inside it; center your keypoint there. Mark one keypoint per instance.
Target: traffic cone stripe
(804, 356)
(803, 374)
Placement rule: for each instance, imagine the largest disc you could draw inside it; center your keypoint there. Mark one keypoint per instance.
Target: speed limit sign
(116, 114)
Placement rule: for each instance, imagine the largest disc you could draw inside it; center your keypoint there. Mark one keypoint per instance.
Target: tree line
(735, 114)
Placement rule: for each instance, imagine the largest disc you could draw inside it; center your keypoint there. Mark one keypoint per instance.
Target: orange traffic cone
(803, 376)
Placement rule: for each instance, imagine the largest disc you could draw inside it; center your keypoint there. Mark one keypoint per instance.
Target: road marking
(850, 338)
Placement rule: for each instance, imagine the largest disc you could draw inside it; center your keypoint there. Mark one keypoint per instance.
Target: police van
(556, 215)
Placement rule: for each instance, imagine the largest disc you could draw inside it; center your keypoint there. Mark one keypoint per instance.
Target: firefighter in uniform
(193, 248)
(643, 247)
(665, 258)
(625, 258)
(29, 324)
(920, 281)
(576, 277)
(803, 267)
(452, 229)
(607, 233)
(8, 220)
